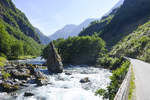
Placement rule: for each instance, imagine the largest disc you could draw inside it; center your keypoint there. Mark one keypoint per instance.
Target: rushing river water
(68, 87)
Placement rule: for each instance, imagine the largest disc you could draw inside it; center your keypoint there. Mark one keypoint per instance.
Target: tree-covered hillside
(126, 19)
(135, 45)
(17, 35)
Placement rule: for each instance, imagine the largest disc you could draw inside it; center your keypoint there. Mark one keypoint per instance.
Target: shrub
(117, 78)
(107, 61)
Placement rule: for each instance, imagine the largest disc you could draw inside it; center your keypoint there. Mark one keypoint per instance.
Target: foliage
(96, 26)
(100, 92)
(2, 64)
(2, 61)
(135, 45)
(17, 35)
(26, 57)
(124, 21)
(117, 78)
(5, 75)
(14, 17)
(110, 62)
(78, 50)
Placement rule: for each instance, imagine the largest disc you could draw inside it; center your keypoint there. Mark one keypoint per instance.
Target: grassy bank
(23, 57)
(117, 78)
(26, 57)
(2, 72)
(132, 85)
(2, 61)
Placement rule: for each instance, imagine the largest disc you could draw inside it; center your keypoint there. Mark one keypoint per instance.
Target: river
(68, 87)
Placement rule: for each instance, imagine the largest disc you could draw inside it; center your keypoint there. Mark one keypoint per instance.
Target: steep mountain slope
(11, 15)
(70, 30)
(17, 35)
(115, 6)
(98, 25)
(135, 45)
(126, 19)
(43, 39)
(80, 27)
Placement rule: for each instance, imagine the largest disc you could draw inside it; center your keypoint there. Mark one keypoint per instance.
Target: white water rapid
(69, 87)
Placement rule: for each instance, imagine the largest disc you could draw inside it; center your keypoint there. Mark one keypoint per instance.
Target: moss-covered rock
(21, 74)
(7, 87)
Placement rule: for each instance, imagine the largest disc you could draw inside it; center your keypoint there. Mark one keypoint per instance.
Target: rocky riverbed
(32, 82)
(21, 76)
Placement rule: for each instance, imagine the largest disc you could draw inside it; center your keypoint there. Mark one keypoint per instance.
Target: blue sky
(51, 15)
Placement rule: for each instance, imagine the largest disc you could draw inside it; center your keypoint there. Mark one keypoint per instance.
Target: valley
(86, 61)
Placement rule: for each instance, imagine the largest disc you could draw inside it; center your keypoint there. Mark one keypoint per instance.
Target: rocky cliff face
(54, 61)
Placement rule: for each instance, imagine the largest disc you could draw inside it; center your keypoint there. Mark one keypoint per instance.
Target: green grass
(136, 45)
(132, 85)
(2, 61)
(44, 67)
(23, 57)
(26, 57)
(5, 75)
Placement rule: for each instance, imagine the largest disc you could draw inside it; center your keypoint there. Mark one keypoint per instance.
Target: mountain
(80, 27)
(123, 22)
(43, 39)
(115, 6)
(136, 45)
(70, 30)
(64, 32)
(17, 36)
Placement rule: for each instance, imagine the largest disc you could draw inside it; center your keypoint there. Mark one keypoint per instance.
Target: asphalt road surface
(142, 79)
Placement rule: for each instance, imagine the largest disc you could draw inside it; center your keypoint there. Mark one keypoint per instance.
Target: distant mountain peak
(70, 30)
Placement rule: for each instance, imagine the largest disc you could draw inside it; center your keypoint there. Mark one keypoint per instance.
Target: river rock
(41, 82)
(7, 87)
(21, 74)
(84, 80)
(54, 61)
(27, 94)
(40, 79)
(68, 73)
(39, 74)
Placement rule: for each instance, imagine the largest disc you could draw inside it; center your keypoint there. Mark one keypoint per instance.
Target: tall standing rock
(54, 61)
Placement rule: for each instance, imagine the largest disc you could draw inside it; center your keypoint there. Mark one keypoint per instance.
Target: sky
(51, 15)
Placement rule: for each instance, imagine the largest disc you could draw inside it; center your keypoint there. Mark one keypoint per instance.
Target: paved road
(142, 79)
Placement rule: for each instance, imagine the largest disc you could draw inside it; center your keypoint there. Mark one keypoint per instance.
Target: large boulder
(54, 61)
(84, 80)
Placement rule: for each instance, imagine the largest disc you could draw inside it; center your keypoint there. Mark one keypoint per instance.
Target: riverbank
(23, 57)
(2, 61)
(14, 77)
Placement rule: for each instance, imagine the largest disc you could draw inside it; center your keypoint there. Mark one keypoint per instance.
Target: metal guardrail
(123, 91)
